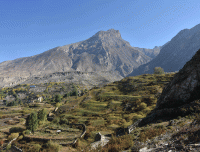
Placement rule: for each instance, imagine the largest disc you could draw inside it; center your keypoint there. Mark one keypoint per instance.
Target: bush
(13, 136)
(64, 121)
(56, 120)
(36, 147)
(141, 106)
(52, 147)
(26, 132)
(150, 133)
(20, 137)
(16, 129)
(8, 147)
(158, 70)
(22, 120)
(119, 143)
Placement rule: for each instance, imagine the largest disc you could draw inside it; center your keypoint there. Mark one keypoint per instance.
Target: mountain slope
(150, 52)
(175, 53)
(104, 52)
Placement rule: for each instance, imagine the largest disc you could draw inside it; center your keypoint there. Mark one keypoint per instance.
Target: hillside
(109, 110)
(174, 54)
(103, 109)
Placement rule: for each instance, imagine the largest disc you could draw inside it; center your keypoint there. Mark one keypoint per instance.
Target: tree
(58, 98)
(63, 88)
(74, 91)
(13, 92)
(67, 95)
(158, 70)
(32, 122)
(42, 115)
(5, 102)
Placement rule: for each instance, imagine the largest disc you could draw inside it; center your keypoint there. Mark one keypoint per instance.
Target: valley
(100, 76)
(102, 109)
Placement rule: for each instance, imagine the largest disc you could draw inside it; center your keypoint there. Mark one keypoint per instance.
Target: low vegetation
(102, 109)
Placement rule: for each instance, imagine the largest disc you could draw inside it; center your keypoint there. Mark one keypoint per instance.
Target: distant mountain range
(174, 54)
(105, 56)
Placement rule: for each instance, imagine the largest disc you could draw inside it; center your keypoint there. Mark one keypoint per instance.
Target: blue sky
(30, 27)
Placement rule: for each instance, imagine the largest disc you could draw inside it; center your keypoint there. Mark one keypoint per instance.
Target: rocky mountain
(150, 52)
(174, 54)
(180, 96)
(105, 54)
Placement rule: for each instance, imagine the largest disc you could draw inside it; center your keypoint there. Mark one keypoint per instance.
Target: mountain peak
(108, 33)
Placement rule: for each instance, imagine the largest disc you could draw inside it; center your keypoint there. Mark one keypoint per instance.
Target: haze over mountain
(105, 53)
(174, 54)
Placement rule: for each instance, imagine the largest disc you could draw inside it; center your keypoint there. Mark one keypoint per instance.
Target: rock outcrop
(181, 95)
(184, 87)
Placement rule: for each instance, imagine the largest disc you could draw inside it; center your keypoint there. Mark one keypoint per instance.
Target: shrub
(58, 104)
(26, 132)
(64, 121)
(8, 147)
(13, 136)
(56, 120)
(119, 143)
(20, 137)
(158, 70)
(36, 147)
(52, 147)
(141, 106)
(16, 129)
(22, 120)
(150, 133)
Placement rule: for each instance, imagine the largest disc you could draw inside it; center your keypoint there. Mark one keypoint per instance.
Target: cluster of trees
(2, 95)
(35, 119)
(15, 102)
(74, 92)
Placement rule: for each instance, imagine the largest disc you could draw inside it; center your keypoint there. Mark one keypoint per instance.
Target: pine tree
(42, 115)
(32, 122)
(58, 98)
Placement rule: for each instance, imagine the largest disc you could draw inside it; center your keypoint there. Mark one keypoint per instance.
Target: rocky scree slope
(102, 53)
